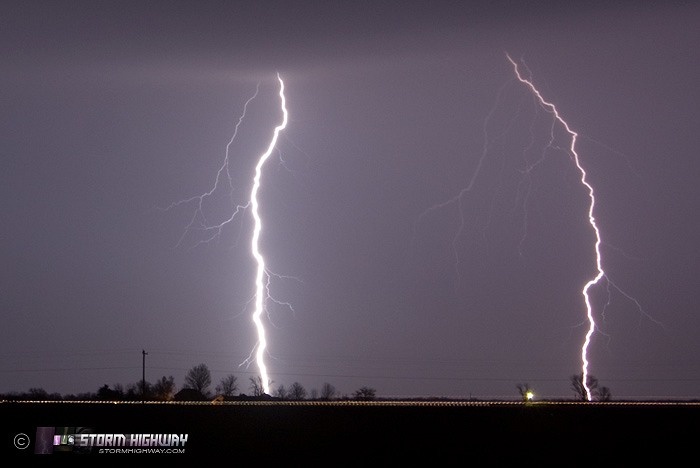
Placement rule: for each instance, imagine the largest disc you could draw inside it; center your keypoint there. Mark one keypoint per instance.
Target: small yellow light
(529, 396)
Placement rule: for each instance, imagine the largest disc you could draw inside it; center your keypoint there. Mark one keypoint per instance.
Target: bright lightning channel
(212, 231)
(260, 283)
(551, 108)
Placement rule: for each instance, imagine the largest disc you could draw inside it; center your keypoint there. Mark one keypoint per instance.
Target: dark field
(364, 435)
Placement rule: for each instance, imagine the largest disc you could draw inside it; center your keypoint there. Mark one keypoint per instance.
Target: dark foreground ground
(355, 435)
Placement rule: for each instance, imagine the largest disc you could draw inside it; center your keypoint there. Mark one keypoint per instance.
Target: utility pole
(143, 378)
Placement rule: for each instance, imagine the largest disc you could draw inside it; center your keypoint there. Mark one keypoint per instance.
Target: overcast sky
(112, 111)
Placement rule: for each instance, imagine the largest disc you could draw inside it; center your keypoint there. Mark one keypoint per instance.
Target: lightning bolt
(213, 230)
(260, 282)
(523, 191)
(600, 273)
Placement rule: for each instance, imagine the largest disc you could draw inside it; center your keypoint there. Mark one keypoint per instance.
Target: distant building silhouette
(189, 394)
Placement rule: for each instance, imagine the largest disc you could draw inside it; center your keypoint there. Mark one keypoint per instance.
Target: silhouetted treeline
(196, 388)
(197, 383)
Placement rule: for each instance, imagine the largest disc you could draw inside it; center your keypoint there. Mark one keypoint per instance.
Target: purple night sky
(114, 110)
